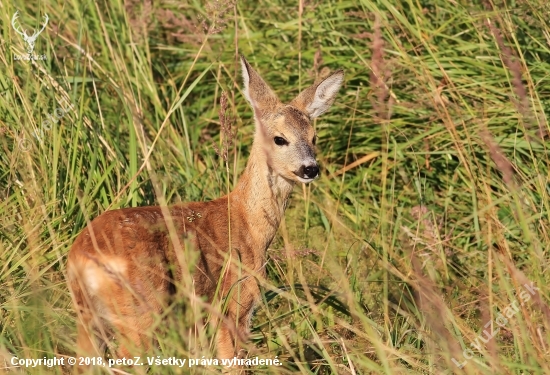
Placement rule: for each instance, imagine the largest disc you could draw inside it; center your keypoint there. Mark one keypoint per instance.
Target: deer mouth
(305, 179)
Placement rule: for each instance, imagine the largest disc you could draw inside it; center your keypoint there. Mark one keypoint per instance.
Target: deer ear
(256, 90)
(316, 99)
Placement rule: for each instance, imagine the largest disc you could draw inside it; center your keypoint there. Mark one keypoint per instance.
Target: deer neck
(262, 195)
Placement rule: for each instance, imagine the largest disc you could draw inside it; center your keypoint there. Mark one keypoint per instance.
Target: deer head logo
(29, 39)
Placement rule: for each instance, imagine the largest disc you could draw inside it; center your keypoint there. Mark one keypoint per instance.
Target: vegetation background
(429, 218)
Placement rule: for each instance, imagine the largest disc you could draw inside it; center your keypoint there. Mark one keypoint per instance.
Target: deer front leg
(235, 329)
(232, 336)
(230, 342)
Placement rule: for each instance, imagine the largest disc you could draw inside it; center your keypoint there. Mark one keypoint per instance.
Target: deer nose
(310, 171)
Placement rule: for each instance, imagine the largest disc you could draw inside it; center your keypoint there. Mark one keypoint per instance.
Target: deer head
(29, 39)
(285, 130)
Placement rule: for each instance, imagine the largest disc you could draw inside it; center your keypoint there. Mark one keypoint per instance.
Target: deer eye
(280, 141)
(314, 140)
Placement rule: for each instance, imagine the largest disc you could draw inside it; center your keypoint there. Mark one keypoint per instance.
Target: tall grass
(430, 216)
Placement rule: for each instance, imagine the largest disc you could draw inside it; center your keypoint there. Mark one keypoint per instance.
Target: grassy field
(418, 251)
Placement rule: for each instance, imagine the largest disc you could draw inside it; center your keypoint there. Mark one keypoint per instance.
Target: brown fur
(122, 269)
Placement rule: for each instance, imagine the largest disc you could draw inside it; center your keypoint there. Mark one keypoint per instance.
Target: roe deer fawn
(124, 259)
